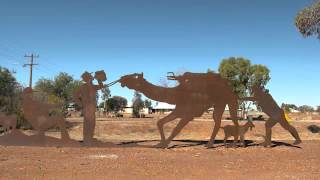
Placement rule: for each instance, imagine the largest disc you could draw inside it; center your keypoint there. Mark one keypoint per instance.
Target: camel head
(132, 81)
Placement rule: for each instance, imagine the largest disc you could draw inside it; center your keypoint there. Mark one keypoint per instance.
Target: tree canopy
(289, 107)
(147, 103)
(308, 20)
(105, 93)
(137, 104)
(8, 90)
(242, 74)
(306, 108)
(60, 89)
(116, 103)
(7, 82)
(9, 95)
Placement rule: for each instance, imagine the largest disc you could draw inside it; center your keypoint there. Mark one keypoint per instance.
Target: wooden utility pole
(31, 64)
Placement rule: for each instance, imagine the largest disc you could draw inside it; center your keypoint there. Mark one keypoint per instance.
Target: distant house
(293, 110)
(163, 108)
(128, 110)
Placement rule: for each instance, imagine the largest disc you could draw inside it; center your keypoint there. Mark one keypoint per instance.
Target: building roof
(163, 105)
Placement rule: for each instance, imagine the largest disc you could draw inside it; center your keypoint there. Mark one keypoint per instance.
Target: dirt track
(187, 159)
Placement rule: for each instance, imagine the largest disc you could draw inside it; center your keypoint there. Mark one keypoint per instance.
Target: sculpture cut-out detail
(194, 95)
(40, 116)
(275, 113)
(85, 97)
(230, 130)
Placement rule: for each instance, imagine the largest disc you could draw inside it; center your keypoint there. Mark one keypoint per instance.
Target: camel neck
(158, 93)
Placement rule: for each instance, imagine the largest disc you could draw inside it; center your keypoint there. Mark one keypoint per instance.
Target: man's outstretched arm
(100, 85)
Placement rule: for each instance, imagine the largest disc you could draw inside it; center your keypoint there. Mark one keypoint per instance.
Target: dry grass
(118, 129)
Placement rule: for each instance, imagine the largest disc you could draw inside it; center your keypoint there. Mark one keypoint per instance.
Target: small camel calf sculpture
(7, 121)
(230, 130)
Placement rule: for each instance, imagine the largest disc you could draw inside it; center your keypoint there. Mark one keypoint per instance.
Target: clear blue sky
(155, 37)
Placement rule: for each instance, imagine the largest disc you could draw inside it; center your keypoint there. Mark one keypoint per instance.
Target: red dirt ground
(187, 158)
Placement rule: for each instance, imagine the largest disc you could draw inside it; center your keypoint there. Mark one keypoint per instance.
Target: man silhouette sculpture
(85, 96)
(275, 113)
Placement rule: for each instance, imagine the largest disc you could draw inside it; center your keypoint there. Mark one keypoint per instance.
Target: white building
(163, 108)
(128, 110)
(293, 110)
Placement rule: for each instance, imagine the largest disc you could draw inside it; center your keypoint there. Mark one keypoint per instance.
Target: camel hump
(201, 76)
(201, 81)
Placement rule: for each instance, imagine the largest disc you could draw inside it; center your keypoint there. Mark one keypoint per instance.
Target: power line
(51, 62)
(42, 73)
(31, 64)
(7, 60)
(9, 51)
(15, 49)
(48, 69)
(9, 57)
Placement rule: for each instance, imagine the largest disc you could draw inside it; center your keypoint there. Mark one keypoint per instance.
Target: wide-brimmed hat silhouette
(86, 75)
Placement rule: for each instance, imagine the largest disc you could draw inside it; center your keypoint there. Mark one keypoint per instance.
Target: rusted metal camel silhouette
(194, 95)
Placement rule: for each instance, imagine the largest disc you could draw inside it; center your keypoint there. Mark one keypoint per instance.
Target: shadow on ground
(195, 143)
(20, 139)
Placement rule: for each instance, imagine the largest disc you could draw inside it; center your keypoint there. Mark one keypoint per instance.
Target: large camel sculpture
(194, 95)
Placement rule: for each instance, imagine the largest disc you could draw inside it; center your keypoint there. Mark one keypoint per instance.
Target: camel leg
(41, 137)
(217, 115)
(285, 124)
(236, 136)
(225, 141)
(242, 142)
(182, 123)
(58, 120)
(233, 108)
(172, 116)
(269, 124)
(62, 125)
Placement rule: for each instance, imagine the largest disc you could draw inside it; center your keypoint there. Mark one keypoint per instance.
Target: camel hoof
(266, 144)
(161, 145)
(297, 142)
(209, 145)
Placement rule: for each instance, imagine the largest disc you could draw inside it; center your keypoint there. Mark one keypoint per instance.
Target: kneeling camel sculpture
(194, 95)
